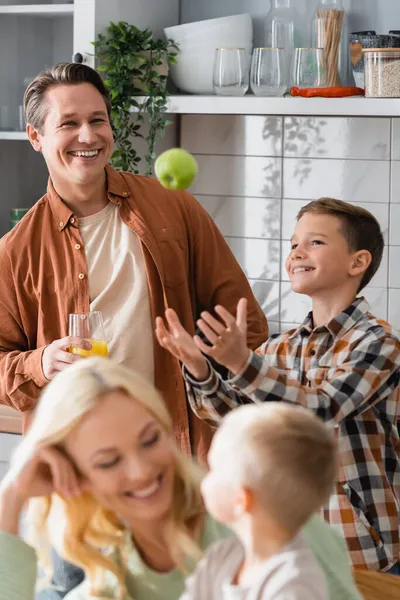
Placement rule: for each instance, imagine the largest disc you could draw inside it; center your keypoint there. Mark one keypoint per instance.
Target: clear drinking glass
(282, 28)
(88, 326)
(308, 68)
(231, 72)
(268, 76)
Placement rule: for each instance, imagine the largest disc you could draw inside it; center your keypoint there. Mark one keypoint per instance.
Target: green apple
(176, 169)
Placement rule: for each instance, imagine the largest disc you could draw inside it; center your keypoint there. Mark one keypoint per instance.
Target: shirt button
(312, 352)
(72, 220)
(61, 224)
(77, 246)
(124, 193)
(81, 276)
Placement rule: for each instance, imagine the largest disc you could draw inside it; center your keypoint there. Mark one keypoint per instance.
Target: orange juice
(99, 348)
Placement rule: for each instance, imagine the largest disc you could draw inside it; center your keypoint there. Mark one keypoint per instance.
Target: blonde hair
(287, 457)
(86, 527)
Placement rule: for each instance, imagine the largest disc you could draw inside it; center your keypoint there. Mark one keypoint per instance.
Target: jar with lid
(382, 72)
(330, 32)
(282, 29)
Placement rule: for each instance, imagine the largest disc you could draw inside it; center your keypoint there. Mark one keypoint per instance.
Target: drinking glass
(308, 68)
(88, 326)
(268, 76)
(231, 72)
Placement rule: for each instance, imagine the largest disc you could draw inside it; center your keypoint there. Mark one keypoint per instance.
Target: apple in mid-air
(176, 169)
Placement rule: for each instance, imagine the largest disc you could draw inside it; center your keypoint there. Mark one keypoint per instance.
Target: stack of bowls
(197, 44)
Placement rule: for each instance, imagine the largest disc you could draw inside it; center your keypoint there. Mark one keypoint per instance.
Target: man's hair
(286, 456)
(35, 105)
(360, 229)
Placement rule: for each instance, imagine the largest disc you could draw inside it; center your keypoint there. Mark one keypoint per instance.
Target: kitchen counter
(10, 420)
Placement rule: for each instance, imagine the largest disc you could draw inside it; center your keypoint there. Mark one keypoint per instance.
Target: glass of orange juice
(88, 326)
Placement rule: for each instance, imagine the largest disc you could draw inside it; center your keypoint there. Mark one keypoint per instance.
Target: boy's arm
(369, 374)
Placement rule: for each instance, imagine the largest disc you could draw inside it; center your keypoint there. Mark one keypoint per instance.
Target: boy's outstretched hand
(180, 344)
(228, 341)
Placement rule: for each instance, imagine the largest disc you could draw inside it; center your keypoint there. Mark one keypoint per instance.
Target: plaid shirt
(348, 373)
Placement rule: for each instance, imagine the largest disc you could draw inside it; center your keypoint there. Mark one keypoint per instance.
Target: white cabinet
(41, 34)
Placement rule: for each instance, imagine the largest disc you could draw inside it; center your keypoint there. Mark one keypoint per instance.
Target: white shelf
(253, 105)
(39, 10)
(13, 135)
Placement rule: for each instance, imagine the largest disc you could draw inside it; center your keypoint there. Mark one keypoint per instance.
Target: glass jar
(382, 72)
(282, 29)
(330, 32)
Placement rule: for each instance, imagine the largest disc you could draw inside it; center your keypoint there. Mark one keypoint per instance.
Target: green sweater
(18, 567)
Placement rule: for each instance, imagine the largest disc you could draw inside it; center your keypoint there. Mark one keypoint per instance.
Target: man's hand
(56, 358)
(228, 341)
(180, 344)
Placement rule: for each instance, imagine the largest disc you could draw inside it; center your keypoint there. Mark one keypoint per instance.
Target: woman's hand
(45, 471)
(180, 344)
(228, 339)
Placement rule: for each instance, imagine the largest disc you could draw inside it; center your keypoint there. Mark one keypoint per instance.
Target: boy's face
(320, 260)
(218, 487)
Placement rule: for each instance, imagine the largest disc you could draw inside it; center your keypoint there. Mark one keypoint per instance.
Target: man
(108, 241)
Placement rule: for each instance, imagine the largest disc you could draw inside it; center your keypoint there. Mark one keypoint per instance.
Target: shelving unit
(39, 10)
(253, 105)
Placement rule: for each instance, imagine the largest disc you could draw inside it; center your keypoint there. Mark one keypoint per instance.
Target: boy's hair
(359, 227)
(35, 105)
(287, 456)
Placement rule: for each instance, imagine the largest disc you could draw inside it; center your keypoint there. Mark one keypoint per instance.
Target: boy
(286, 453)
(342, 363)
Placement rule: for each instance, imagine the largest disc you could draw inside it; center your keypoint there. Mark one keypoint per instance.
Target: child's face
(320, 260)
(218, 487)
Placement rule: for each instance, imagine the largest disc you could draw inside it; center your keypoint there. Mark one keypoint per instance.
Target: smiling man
(107, 241)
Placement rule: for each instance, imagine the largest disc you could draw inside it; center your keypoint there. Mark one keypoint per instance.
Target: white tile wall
(244, 217)
(316, 137)
(8, 444)
(238, 176)
(349, 180)
(253, 185)
(259, 259)
(231, 134)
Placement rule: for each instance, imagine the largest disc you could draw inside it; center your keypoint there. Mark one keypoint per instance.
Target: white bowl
(193, 72)
(236, 24)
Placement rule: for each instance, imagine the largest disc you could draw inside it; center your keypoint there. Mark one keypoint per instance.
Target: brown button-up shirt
(44, 277)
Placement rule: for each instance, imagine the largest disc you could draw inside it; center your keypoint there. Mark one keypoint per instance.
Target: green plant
(132, 62)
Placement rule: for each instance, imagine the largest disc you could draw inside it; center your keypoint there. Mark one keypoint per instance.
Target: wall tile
(238, 176)
(267, 295)
(396, 139)
(244, 217)
(259, 259)
(395, 182)
(350, 180)
(317, 137)
(394, 266)
(394, 237)
(378, 301)
(290, 209)
(380, 279)
(394, 308)
(294, 307)
(232, 134)
(273, 327)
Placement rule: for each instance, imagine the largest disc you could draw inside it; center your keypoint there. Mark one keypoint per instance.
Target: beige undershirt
(118, 288)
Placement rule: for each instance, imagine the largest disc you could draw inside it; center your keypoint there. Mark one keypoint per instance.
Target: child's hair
(359, 227)
(80, 528)
(286, 456)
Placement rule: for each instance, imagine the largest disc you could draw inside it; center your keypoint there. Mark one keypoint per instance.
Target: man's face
(77, 139)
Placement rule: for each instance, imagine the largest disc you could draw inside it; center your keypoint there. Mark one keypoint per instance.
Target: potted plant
(135, 64)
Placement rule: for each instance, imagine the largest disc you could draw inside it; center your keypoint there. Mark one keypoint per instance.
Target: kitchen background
(255, 171)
